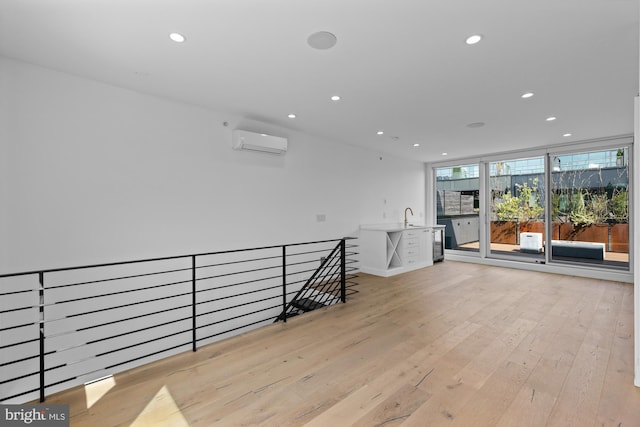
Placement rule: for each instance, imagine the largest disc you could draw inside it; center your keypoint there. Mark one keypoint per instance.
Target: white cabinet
(414, 247)
(388, 250)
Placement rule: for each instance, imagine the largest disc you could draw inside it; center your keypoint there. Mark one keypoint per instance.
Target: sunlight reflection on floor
(96, 389)
(161, 411)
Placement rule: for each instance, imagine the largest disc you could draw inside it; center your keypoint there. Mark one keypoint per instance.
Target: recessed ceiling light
(476, 125)
(380, 132)
(566, 135)
(177, 37)
(335, 98)
(526, 95)
(550, 118)
(416, 145)
(292, 116)
(322, 40)
(473, 39)
(445, 154)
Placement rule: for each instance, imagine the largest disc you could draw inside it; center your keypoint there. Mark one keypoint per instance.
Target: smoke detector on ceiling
(322, 40)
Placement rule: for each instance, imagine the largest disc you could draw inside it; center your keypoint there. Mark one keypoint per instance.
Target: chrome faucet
(405, 216)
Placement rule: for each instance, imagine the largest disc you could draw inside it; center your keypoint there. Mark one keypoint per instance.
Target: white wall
(97, 173)
(636, 242)
(91, 173)
(636, 223)
(4, 171)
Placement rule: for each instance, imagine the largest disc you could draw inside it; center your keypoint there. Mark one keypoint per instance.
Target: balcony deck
(609, 257)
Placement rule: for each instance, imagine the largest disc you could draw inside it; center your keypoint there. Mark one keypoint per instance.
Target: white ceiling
(399, 65)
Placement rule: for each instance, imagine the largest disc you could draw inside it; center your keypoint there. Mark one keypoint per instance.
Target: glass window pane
(590, 212)
(457, 201)
(517, 195)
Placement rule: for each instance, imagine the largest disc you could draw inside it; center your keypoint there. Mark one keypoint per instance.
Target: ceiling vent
(252, 141)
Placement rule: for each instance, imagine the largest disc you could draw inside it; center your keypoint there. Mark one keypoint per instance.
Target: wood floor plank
(455, 344)
(578, 401)
(617, 407)
(412, 371)
(465, 383)
(544, 352)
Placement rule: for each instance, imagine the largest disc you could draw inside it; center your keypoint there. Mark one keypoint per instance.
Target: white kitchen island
(390, 249)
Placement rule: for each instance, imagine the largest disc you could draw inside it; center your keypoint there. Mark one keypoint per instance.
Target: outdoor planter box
(504, 232)
(619, 238)
(532, 227)
(587, 233)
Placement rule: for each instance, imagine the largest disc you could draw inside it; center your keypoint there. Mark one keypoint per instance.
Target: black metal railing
(326, 286)
(64, 327)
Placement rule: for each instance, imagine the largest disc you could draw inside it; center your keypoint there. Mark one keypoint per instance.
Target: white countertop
(391, 227)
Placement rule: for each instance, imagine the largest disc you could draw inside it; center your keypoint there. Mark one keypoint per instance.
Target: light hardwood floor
(455, 344)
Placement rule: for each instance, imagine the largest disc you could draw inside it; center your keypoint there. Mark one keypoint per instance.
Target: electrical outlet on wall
(321, 217)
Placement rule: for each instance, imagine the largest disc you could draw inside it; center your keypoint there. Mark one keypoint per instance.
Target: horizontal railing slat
(64, 326)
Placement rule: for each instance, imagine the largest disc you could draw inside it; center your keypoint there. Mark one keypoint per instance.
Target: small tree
(507, 210)
(592, 209)
(530, 209)
(619, 205)
(524, 207)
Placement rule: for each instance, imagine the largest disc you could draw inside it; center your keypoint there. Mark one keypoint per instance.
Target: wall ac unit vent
(245, 140)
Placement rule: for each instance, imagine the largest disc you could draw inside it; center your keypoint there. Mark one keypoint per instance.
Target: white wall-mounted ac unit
(245, 140)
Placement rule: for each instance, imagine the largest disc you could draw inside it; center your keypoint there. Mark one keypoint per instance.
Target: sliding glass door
(516, 208)
(590, 207)
(565, 208)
